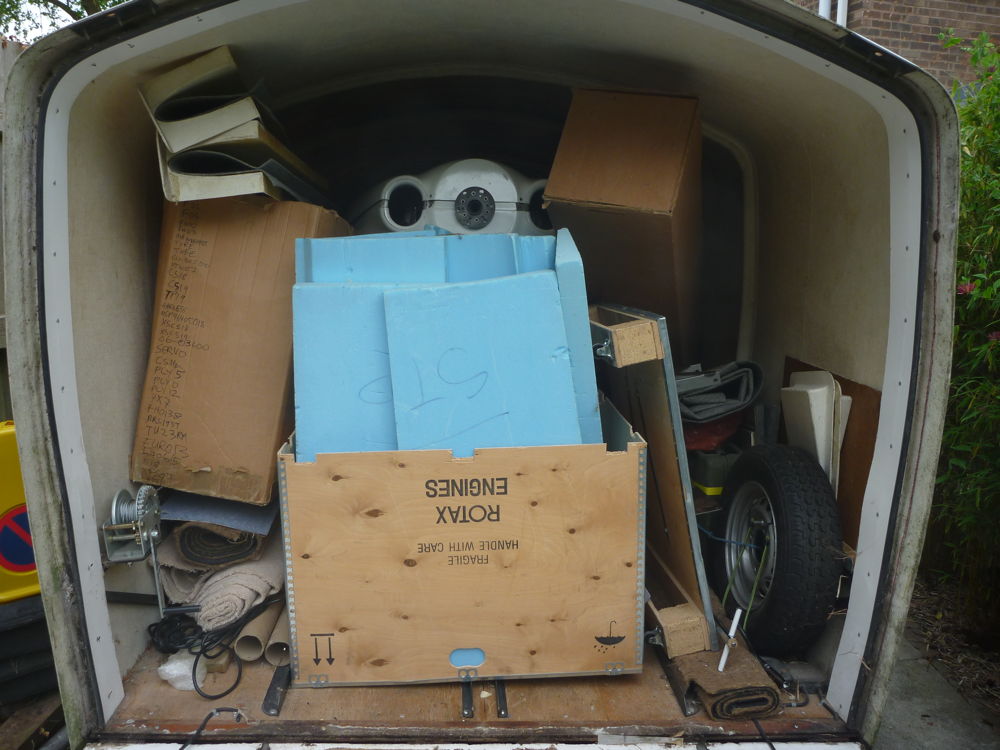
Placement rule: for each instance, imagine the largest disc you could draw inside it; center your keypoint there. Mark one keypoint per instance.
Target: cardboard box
(626, 181)
(216, 403)
(416, 566)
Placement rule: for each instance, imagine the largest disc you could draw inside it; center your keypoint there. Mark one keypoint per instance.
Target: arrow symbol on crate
(329, 647)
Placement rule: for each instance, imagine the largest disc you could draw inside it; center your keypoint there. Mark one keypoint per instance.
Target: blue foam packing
(481, 364)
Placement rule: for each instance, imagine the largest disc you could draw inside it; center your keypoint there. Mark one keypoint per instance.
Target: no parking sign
(18, 577)
(16, 552)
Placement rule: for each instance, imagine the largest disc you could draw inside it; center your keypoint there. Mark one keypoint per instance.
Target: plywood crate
(416, 566)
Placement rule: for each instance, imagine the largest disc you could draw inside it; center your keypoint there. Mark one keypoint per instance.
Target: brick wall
(910, 29)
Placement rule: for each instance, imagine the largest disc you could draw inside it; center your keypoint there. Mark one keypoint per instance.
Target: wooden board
(642, 388)
(551, 710)
(533, 555)
(633, 339)
(25, 721)
(858, 450)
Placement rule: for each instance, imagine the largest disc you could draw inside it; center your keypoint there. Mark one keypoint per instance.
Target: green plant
(967, 502)
(26, 20)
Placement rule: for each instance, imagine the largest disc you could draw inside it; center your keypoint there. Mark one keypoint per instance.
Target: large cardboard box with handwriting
(215, 407)
(411, 566)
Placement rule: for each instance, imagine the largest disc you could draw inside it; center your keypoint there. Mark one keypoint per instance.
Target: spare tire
(776, 549)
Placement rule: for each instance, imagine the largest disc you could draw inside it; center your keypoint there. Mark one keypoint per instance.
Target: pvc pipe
(730, 642)
(824, 8)
(842, 7)
(58, 741)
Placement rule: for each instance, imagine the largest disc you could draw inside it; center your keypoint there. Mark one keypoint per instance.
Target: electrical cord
(208, 717)
(760, 730)
(180, 631)
(716, 538)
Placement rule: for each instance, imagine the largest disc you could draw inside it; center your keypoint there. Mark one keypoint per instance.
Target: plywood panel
(533, 555)
(649, 414)
(549, 710)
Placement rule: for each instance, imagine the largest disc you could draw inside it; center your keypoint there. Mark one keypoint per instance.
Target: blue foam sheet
(535, 253)
(576, 316)
(424, 257)
(343, 391)
(473, 257)
(481, 364)
(420, 256)
(375, 258)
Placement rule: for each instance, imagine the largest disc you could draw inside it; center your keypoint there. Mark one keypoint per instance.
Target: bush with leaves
(26, 20)
(967, 502)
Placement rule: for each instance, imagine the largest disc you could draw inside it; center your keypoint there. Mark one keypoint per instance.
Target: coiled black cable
(176, 632)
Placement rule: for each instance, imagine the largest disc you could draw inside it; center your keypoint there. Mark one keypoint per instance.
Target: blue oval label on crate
(16, 551)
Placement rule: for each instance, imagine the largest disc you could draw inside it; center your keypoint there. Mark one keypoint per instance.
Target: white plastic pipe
(730, 641)
(842, 6)
(825, 8)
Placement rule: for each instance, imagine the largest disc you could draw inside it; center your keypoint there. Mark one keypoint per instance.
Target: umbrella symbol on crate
(604, 642)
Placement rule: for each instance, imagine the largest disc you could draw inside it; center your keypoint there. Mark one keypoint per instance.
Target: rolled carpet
(743, 691)
(225, 595)
(215, 546)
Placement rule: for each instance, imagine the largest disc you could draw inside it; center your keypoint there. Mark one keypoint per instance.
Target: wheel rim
(750, 563)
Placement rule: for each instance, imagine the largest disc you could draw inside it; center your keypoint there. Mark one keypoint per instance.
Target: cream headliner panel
(813, 142)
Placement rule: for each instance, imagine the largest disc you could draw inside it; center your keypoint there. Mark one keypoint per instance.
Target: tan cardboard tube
(249, 646)
(276, 652)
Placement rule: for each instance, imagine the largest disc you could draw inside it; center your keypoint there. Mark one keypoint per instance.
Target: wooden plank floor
(550, 710)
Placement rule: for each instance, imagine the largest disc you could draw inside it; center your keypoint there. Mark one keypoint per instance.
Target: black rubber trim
(120, 17)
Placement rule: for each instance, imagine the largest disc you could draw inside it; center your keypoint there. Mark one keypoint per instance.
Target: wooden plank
(27, 720)
(685, 629)
(648, 410)
(858, 450)
(634, 339)
(532, 555)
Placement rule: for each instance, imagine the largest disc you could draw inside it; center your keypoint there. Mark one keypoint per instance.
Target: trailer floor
(550, 710)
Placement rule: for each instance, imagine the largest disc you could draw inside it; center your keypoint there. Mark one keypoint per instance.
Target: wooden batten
(633, 339)
(634, 379)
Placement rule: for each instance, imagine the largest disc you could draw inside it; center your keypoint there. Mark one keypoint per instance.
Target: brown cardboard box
(626, 181)
(534, 557)
(215, 406)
